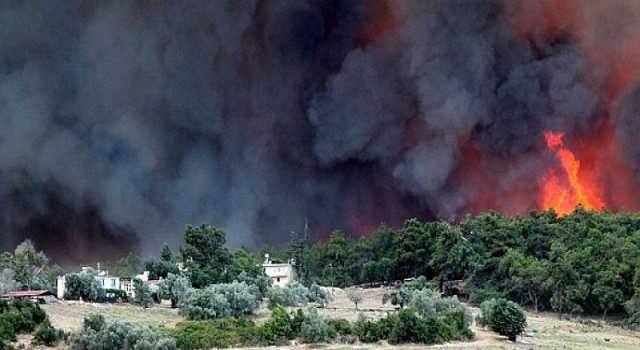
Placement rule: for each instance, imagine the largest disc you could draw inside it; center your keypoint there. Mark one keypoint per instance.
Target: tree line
(582, 263)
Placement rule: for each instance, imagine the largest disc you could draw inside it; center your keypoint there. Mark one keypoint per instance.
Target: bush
(119, 335)
(479, 296)
(6, 330)
(408, 328)
(338, 327)
(45, 334)
(143, 294)
(243, 298)
(83, 286)
(174, 288)
(313, 329)
(422, 303)
(222, 333)
(505, 318)
(277, 330)
(355, 295)
(115, 294)
(367, 331)
(204, 305)
(400, 297)
(319, 296)
(293, 294)
(21, 316)
(94, 322)
(421, 283)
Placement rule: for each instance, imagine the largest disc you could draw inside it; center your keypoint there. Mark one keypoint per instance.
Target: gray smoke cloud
(124, 121)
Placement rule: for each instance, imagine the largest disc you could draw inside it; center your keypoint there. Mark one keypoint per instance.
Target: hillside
(553, 333)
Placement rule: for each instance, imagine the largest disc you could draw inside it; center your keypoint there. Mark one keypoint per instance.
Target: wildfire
(563, 193)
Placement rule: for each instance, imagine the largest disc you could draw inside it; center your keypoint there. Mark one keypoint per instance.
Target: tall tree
(300, 253)
(29, 264)
(165, 253)
(204, 245)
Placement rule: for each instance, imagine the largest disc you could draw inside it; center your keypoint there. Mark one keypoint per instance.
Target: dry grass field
(552, 332)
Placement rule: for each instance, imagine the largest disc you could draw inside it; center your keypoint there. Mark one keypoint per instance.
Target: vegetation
(83, 286)
(22, 317)
(119, 335)
(504, 317)
(222, 333)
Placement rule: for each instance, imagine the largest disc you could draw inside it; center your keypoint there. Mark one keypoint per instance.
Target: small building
(280, 274)
(127, 284)
(41, 296)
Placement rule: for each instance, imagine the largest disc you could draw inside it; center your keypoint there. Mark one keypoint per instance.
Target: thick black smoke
(123, 121)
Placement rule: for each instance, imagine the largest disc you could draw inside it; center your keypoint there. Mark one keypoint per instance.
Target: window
(113, 282)
(278, 279)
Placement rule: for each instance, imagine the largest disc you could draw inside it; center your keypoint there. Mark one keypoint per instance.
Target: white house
(112, 282)
(280, 274)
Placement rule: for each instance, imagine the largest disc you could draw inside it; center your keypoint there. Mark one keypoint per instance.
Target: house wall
(280, 274)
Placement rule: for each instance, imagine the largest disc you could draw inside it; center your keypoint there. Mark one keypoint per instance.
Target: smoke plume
(123, 121)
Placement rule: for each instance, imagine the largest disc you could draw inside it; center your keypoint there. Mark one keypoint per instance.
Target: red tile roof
(27, 293)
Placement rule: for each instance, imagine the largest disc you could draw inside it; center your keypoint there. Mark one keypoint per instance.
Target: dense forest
(585, 262)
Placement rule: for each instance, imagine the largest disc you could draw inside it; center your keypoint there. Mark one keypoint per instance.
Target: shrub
(119, 335)
(83, 286)
(421, 283)
(277, 330)
(263, 282)
(6, 330)
(479, 296)
(505, 318)
(313, 329)
(399, 297)
(319, 296)
(408, 328)
(243, 298)
(293, 294)
(46, 334)
(367, 331)
(486, 308)
(446, 305)
(297, 318)
(115, 294)
(422, 303)
(94, 321)
(143, 294)
(222, 333)
(174, 288)
(204, 305)
(355, 295)
(338, 327)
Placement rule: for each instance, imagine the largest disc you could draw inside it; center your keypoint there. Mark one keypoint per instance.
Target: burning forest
(122, 122)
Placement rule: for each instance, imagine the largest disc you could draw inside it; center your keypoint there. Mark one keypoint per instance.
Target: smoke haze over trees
(123, 121)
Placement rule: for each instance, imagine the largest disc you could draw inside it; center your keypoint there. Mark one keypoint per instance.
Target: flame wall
(123, 121)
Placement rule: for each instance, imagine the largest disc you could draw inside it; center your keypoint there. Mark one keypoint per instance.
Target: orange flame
(564, 196)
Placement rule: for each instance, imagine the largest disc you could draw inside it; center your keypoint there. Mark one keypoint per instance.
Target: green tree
(299, 247)
(29, 264)
(204, 245)
(355, 295)
(165, 253)
(313, 329)
(83, 286)
(143, 294)
(175, 288)
(506, 318)
(277, 330)
(242, 261)
(399, 297)
(526, 276)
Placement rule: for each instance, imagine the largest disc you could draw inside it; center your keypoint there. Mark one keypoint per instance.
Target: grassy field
(70, 315)
(552, 332)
